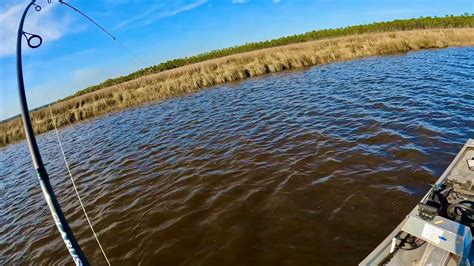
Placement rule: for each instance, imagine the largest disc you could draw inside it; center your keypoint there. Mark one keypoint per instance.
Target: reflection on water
(296, 168)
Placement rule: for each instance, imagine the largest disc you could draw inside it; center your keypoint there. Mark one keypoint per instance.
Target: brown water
(297, 168)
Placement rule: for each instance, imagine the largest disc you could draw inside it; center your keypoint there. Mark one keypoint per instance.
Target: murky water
(297, 168)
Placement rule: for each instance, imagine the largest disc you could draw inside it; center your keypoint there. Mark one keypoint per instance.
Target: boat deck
(460, 176)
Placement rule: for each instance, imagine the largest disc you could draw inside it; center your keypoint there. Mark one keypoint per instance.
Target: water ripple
(290, 168)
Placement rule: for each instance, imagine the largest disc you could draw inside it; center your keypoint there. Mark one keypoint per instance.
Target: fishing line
(29, 37)
(74, 184)
(69, 170)
(90, 19)
(105, 31)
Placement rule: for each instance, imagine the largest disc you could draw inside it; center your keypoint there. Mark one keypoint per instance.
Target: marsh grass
(191, 78)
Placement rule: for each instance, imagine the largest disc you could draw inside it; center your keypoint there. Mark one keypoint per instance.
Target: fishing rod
(34, 41)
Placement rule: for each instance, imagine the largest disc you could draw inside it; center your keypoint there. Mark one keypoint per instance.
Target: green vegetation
(465, 20)
(249, 60)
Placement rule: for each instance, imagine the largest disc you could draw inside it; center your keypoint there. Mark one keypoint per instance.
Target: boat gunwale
(374, 257)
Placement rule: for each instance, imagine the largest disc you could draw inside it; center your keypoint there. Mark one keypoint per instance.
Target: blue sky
(75, 54)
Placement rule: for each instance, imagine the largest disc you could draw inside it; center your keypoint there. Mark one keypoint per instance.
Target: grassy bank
(465, 21)
(190, 78)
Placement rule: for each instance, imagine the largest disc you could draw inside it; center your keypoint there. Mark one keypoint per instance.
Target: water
(297, 168)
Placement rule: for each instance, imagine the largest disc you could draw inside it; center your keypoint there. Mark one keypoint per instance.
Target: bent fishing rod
(35, 41)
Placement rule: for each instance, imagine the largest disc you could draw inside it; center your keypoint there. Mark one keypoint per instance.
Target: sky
(76, 54)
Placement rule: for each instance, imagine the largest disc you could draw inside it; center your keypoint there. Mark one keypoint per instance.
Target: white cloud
(43, 23)
(239, 1)
(155, 13)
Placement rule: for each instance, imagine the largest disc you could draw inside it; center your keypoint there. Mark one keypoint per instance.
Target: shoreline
(194, 77)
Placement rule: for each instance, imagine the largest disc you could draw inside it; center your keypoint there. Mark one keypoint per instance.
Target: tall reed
(464, 21)
(190, 78)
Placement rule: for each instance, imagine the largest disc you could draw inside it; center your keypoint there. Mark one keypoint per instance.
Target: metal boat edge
(438, 230)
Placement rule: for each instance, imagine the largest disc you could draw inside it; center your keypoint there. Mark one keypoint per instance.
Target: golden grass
(194, 77)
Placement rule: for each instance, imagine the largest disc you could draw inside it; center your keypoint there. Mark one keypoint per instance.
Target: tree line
(466, 20)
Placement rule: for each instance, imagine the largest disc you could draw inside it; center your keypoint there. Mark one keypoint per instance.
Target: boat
(438, 231)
